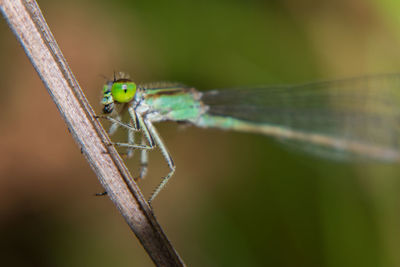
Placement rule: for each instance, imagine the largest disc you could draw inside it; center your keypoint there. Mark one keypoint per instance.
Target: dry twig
(29, 26)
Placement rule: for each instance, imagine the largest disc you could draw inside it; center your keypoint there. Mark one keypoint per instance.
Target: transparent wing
(362, 111)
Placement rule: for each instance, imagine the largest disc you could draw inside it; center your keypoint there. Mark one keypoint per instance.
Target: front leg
(138, 124)
(116, 122)
(133, 127)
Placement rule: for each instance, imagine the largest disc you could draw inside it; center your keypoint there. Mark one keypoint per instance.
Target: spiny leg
(131, 141)
(140, 126)
(153, 138)
(143, 161)
(131, 133)
(134, 117)
(153, 133)
(114, 126)
(118, 123)
(131, 128)
(134, 146)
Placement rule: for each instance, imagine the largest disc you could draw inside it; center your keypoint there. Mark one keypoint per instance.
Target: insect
(351, 118)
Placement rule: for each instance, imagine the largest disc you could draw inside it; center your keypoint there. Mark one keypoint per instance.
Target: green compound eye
(123, 91)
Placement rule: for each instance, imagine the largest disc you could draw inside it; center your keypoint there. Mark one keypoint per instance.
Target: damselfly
(358, 117)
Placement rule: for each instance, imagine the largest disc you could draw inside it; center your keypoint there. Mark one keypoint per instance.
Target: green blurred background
(236, 199)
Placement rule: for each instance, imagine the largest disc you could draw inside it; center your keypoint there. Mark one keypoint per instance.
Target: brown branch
(29, 26)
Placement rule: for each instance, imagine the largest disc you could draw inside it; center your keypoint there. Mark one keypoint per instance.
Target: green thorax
(173, 101)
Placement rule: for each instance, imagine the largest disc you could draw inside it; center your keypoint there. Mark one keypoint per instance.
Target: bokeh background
(236, 199)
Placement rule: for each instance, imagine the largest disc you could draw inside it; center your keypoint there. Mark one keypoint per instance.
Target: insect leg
(137, 121)
(114, 125)
(157, 140)
(131, 141)
(143, 161)
(116, 122)
(134, 117)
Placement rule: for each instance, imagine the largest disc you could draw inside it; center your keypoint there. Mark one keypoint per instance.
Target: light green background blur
(236, 199)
